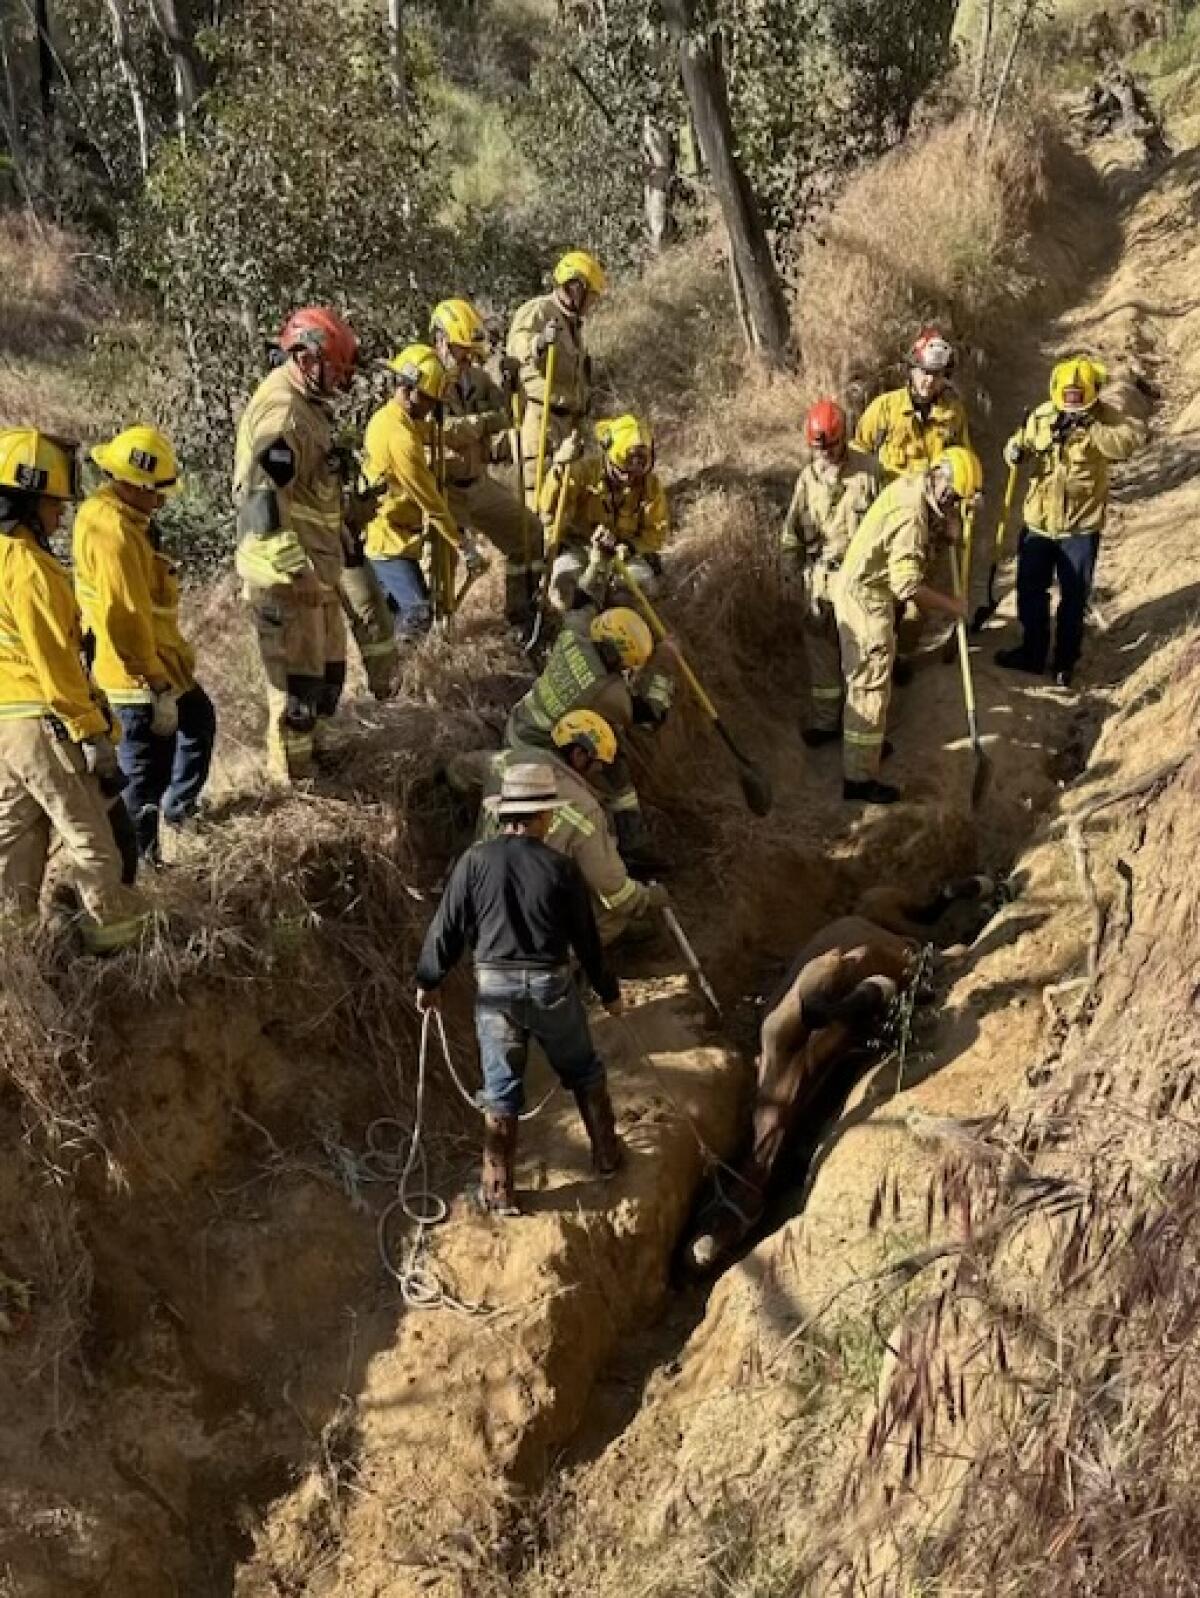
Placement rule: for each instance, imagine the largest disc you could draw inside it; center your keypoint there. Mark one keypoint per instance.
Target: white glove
(1014, 452)
(165, 721)
(473, 556)
(100, 757)
(569, 450)
(657, 897)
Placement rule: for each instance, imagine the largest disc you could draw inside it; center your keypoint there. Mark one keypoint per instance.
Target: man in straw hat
(523, 909)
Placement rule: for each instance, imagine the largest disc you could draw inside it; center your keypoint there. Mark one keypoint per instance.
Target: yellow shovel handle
(1010, 499)
(543, 435)
(654, 622)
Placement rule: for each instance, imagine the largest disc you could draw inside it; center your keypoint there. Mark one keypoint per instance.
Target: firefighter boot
(496, 1184)
(596, 1112)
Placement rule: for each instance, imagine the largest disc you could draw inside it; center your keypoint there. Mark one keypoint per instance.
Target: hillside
(219, 1388)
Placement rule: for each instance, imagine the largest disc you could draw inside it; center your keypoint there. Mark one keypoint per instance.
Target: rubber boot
(497, 1193)
(596, 1112)
(1017, 660)
(634, 845)
(816, 737)
(871, 792)
(518, 605)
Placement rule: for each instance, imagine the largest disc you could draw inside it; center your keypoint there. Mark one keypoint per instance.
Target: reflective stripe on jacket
(637, 516)
(574, 677)
(888, 555)
(572, 368)
(41, 640)
(129, 594)
(1069, 483)
(826, 509)
(394, 455)
(892, 428)
(310, 503)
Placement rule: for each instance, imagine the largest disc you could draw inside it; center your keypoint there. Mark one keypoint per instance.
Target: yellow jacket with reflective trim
(827, 505)
(889, 554)
(892, 428)
(394, 455)
(581, 830)
(637, 516)
(572, 367)
(475, 410)
(310, 506)
(1069, 483)
(129, 594)
(41, 640)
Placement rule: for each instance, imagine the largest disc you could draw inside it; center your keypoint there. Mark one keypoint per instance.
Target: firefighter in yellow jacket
(128, 591)
(1070, 445)
(291, 555)
(908, 428)
(620, 497)
(832, 495)
(611, 666)
(475, 414)
(555, 321)
(584, 746)
(58, 765)
(884, 567)
(414, 519)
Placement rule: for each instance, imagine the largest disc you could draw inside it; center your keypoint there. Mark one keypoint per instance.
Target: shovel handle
(654, 622)
(544, 433)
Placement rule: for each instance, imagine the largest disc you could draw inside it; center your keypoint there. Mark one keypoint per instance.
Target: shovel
(544, 433)
(983, 766)
(550, 550)
(986, 611)
(690, 957)
(756, 786)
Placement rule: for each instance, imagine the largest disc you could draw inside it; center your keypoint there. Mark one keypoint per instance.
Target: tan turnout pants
(303, 651)
(46, 795)
(557, 432)
(867, 636)
(365, 606)
(822, 651)
(487, 507)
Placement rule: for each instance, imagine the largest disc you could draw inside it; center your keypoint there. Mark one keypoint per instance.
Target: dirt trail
(725, 1413)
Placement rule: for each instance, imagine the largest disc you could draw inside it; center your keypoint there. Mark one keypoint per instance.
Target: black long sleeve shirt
(516, 903)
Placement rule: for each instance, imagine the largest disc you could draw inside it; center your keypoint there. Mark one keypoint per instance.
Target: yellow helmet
(37, 463)
(1075, 384)
(590, 731)
(628, 634)
(140, 456)
(965, 471)
(462, 325)
(579, 264)
(418, 367)
(621, 435)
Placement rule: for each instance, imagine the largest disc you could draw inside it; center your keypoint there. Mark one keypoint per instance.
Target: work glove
(1014, 452)
(361, 506)
(100, 761)
(474, 558)
(543, 340)
(657, 896)
(277, 558)
(510, 374)
(569, 450)
(165, 721)
(604, 543)
(1068, 422)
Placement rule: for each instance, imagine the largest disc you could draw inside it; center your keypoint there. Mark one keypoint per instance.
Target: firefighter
(614, 669)
(620, 497)
(476, 413)
(555, 320)
(885, 567)
(585, 746)
(412, 505)
(1070, 444)
(832, 495)
(523, 910)
(288, 492)
(128, 591)
(58, 763)
(909, 428)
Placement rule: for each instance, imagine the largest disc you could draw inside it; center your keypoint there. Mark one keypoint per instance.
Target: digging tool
(691, 958)
(756, 786)
(983, 766)
(986, 611)
(544, 433)
(541, 599)
(950, 647)
(518, 449)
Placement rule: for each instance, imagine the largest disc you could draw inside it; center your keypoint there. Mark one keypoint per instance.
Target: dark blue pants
(1040, 560)
(513, 1006)
(166, 775)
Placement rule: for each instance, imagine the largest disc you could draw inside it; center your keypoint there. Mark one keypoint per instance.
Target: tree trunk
(704, 85)
(395, 23)
(1006, 71)
(658, 180)
(124, 52)
(986, 18)
(41, 21)
(189, 77)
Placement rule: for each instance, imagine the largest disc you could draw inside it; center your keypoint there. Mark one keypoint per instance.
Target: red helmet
(932, 352)
(825, 425)
(323, 332)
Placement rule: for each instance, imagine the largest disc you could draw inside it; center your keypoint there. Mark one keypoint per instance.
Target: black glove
(1068, 422)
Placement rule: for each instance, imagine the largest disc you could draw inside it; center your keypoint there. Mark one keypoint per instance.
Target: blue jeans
(407, 592)
(166, 775)
(513, 1006)
(1040, 560)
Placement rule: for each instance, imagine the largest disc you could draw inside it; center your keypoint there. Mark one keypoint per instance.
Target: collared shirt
(907, 439)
